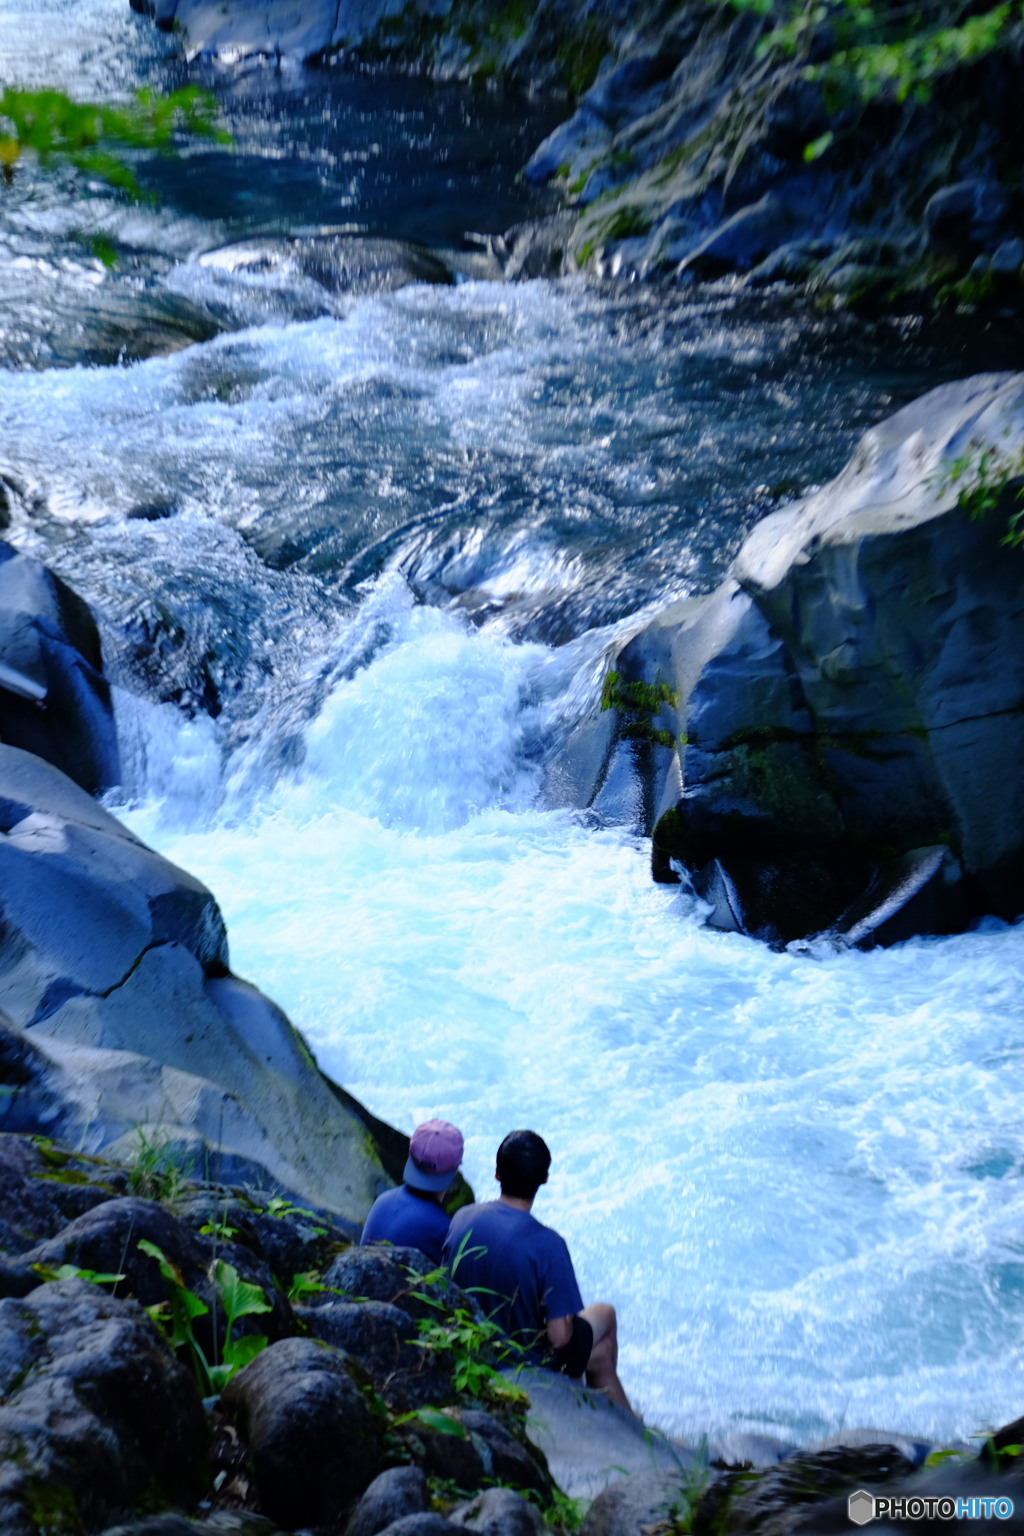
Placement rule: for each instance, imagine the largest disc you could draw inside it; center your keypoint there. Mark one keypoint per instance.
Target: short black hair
(522, 1164)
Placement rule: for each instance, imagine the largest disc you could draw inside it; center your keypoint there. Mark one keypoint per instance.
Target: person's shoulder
(469, 1213)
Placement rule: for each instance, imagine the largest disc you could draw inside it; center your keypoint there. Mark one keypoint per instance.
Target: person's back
(519, 1270)
(523, 1277)
(412, 1215)
(407, 1219)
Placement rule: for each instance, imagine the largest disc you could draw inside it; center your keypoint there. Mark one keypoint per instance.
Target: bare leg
(602, 1372)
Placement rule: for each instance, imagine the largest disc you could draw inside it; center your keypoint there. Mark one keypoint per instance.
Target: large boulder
(54, 699)
(121, 1011)
(314, 1442)
(834, 739)
(96, 1416)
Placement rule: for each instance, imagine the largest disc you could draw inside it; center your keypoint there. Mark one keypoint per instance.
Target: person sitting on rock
(412, 1216)
(497, 1249)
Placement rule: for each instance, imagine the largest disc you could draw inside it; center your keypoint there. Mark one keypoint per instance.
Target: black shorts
(571, 1359)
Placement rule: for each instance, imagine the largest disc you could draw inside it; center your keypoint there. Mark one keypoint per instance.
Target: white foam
(799, 1180)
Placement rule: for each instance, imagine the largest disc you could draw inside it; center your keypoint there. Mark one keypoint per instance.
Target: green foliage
(476, 1347)
(433, 1418)
(73, 1272)
(280, 1207)
(176, 1318)
(878, 46)
(982, 475)
(154, 1169)
(218, 1229)
(306, 1285)
(95, 137)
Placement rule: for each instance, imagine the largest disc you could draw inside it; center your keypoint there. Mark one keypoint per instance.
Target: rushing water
(357, 560)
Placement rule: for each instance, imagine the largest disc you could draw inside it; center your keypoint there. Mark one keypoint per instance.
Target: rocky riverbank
(182, 1356)
(684, 151)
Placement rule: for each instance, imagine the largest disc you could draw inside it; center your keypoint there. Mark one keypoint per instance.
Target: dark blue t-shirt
(402, 1218)
(519, 1270)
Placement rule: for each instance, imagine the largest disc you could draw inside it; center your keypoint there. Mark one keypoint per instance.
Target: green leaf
(817, 147)
(239, 1352)
(433, 1418)
(241, 1298)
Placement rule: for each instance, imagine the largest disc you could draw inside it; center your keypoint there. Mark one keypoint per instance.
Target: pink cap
(435, 1152)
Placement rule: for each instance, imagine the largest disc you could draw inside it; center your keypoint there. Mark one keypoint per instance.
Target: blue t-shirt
(402, 1218)
(519, 1270)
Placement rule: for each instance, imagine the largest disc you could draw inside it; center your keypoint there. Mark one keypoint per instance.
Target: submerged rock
(833, 739)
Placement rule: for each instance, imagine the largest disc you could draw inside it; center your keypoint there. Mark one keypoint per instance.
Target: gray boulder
(385, 1339)
(394, 1494)
(106, 1240)
(96, 1416)
(484, 1453)
(499, 1512)
(54, 699)
(314, 1443)
(113, 972)
(392, 1275)
(631, 1504)
(842, 719)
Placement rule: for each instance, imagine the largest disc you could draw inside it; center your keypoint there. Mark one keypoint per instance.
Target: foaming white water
(799, 1180)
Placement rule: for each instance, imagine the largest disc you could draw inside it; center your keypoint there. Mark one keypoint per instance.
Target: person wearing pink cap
(412, 1216)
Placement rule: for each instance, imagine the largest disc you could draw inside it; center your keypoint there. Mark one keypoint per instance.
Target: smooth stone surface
(587, 1441)
(115, 964)
(393, 1494)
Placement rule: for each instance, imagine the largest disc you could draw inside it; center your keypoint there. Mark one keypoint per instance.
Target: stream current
(357, 553)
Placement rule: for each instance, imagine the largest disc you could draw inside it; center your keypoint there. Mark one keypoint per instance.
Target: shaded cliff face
(684, 148)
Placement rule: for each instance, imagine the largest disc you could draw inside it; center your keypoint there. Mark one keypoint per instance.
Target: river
(357, 555)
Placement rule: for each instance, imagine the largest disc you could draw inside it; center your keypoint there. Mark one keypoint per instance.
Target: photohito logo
(862, 1507)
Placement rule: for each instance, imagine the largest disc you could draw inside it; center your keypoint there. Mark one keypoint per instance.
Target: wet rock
(309, 272)
(394, 1494)
(96, 1415)
(808, 1491)
(384, 1339)
(743, 240)
(313, 1441)
(966, 214)
(427, 1524)
(1008, 258)
(54, 699)
(847, 705)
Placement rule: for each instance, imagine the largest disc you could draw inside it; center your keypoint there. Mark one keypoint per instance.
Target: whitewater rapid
(798, 1179)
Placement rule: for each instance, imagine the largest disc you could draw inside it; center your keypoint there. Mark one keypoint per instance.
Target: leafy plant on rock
(176, 1318)
(154, 1169)
(981, 476)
